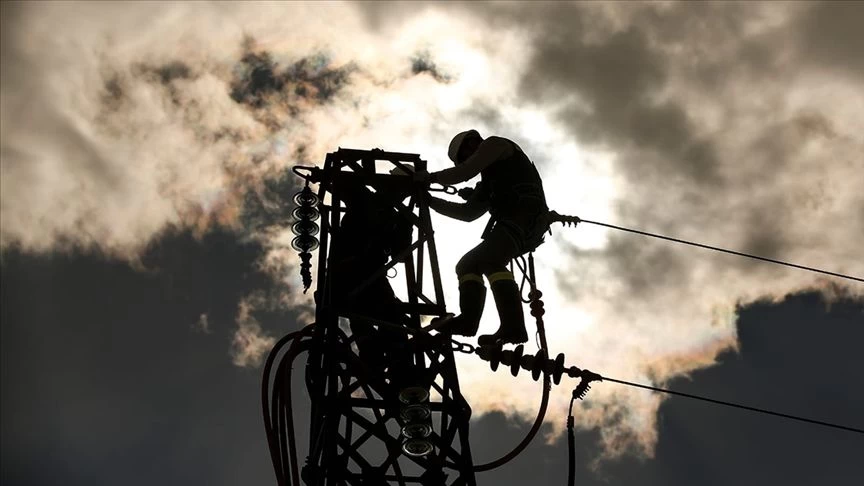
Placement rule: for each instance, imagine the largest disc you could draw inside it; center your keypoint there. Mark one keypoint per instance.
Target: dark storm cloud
(256, 80)
(488, 115)
(113, 373)
(615, 81)
(422, 62)
(316, 77)
(260, 78)
(798, 357)
(103, 369)
(832, 35)
(10, 58)
(182, 262)
(646, 268)
(622, 67)
(780, 141)
(381, 13)
(113, 92)
(272, 205)
(166, 73)
(766, 237)
(614, 76)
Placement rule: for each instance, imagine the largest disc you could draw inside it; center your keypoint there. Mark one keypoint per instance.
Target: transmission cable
(735, 405)
(723, 250)
(279, 415)
(571, 444)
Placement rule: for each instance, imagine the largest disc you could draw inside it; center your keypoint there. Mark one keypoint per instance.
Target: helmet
(457, 142)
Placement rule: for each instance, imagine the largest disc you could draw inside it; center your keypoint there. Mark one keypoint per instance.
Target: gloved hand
(466, 193)
(399, 172)
(422, 176)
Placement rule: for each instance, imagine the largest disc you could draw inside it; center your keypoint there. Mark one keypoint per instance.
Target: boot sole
(517, 339)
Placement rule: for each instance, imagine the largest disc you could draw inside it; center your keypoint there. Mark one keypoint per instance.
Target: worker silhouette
(510, 189)
(370, 233)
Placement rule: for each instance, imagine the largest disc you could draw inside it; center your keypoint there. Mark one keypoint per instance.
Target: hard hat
(457, 142)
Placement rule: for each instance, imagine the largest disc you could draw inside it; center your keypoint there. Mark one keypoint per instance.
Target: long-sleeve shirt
(490, 150)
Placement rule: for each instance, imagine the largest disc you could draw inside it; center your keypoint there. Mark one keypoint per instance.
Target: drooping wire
(723, 250)
(735, 405)
(547, 381)
(277, 409)
(571, 444)
(269, 428)
(523, 267)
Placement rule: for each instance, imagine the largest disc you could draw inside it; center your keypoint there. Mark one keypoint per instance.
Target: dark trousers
(492, 255)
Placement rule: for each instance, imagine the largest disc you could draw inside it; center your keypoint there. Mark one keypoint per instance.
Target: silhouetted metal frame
(351, 404)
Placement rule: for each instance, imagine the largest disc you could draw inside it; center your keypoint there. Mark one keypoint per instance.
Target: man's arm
(491, 150)
(476, 206)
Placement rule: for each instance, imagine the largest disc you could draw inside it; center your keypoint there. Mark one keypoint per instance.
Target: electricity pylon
(385, 401)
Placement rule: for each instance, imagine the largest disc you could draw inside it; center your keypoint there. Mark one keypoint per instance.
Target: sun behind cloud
(121, 121)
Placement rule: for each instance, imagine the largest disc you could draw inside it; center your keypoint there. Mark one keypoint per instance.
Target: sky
(144, 240)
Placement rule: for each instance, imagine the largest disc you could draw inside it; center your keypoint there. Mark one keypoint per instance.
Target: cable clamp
(312, 174)
(566, 220)
(585, 384)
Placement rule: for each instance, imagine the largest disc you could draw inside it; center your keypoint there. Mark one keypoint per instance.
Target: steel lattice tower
(386, 404)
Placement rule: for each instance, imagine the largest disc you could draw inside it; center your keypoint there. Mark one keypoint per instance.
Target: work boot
(509, 304)
(472, 299)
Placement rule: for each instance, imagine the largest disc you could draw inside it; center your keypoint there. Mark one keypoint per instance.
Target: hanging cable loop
(515, 363)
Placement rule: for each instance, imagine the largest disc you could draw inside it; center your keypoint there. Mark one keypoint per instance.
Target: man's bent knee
(467, 264)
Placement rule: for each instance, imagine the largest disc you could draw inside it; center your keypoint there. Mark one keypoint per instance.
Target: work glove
(397, 171)
(422, 176)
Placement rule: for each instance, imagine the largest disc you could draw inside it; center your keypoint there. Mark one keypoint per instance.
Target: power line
(732, 252)
(736, 405)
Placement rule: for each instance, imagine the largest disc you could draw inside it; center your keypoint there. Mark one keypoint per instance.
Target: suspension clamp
(585, 384)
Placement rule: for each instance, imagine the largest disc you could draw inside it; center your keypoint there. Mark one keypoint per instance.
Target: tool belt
(522, 212)
(527, 229)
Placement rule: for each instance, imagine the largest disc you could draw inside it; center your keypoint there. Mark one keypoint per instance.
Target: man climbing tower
(510, 189)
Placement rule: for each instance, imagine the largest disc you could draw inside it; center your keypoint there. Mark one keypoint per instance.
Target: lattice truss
(386, 405)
